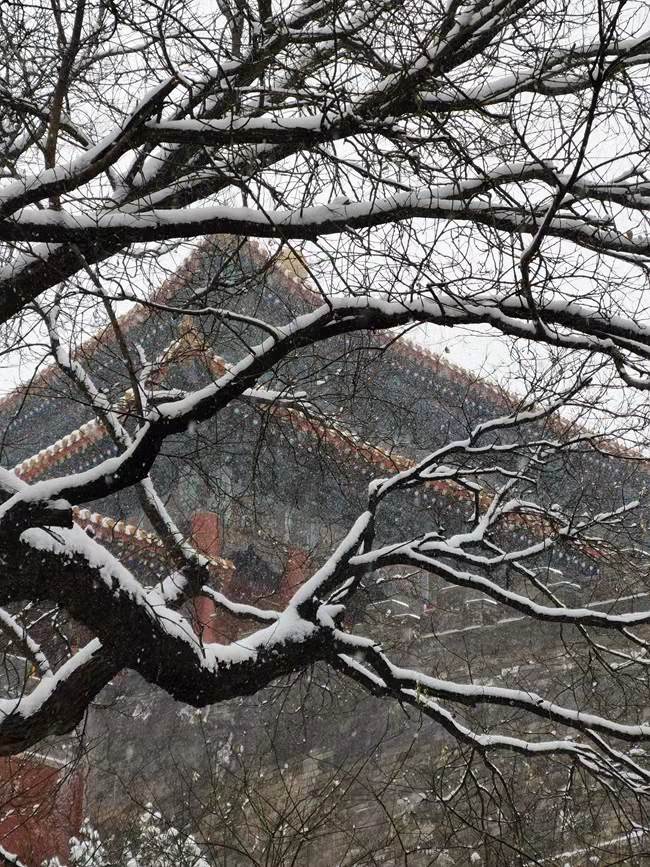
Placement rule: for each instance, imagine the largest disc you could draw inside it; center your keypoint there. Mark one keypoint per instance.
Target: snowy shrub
(154, 844)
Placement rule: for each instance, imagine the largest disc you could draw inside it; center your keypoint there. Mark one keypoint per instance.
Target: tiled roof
(347, 443)
(77, 441)
(344, 440)
(291, 281)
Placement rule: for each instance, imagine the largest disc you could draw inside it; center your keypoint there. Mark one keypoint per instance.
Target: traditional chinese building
(264, 490)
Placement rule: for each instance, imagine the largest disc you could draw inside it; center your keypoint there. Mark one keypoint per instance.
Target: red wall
(206, 538)
(41, 807)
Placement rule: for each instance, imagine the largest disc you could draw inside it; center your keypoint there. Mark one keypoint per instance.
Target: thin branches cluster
(478, 164)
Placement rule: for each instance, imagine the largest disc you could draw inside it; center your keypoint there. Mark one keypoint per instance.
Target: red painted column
(296, 570)
(207, 537)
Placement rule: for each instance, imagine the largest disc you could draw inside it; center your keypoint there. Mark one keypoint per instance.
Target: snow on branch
(19, 634)
(311, 223)
(421, 143)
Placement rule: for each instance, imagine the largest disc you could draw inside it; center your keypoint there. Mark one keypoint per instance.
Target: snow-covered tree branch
(475, 166)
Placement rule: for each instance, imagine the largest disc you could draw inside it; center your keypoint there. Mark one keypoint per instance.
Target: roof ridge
(415, 351)
(123, 531)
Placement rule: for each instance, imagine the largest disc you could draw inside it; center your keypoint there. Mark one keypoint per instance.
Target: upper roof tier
(342, 376)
